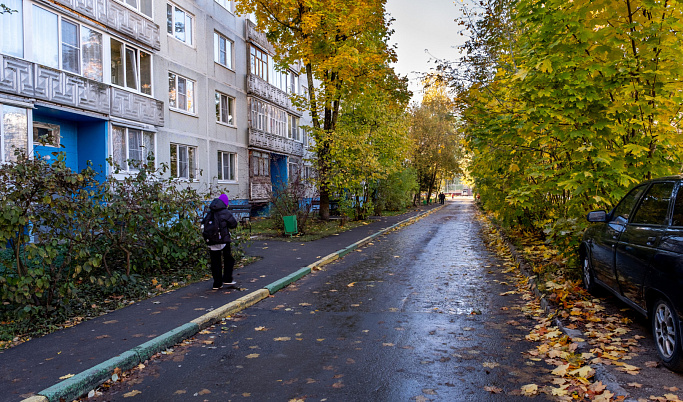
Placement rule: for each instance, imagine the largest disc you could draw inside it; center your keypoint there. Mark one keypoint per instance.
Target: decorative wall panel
(264, 90)
(258, 37)
(132, 106)
(71, 90)
(271, 142)
(119, 17)
(16, 76)
(260, 191)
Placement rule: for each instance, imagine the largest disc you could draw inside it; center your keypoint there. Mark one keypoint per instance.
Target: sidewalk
(39, 363)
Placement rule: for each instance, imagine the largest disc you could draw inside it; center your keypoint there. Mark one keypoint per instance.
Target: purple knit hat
(225, 199)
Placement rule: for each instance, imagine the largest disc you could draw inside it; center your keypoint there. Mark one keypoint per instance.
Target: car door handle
(651, 240)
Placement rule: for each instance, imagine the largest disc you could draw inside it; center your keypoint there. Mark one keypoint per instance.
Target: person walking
(220, 219)
(442, 198)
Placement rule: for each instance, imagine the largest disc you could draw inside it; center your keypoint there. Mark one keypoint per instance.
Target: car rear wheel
(667, 334)
(587, 274)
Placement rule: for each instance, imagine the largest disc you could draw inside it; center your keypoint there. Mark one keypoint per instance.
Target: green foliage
(70, 235)
(585, 102)
(395, 192)
(291, 199)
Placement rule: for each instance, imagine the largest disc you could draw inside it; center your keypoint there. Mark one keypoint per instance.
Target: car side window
(623, 209)
(655, 205)
(678, 209)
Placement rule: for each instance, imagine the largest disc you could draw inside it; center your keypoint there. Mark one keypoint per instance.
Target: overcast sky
(425, 30)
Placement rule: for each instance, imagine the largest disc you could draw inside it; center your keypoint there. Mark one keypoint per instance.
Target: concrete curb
(87, 380)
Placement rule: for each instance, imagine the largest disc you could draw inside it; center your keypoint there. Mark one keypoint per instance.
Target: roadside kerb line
(89, 379)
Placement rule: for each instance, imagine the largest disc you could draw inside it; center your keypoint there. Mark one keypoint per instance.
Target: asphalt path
(418, 314)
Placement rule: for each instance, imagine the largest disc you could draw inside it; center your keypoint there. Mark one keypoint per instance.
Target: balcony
(119, 17)
(264, 90)
(31, 80)
(275, 143)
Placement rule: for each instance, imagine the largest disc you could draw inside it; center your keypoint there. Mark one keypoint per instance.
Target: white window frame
(232, 166)
(170, 28)
(138, 7)
(137, 67)
(293, 130)
(189, 153)
(54, 138)
(125, 168)
(217, 38)
(174, 94)
(26, 143)
(58, 41)
(226, 4)
(260, 164)
(230, 103)
(258, 62)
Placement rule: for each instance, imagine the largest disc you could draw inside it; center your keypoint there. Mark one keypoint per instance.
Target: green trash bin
(290, 225)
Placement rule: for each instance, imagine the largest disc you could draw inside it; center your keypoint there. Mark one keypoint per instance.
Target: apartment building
(187, 81)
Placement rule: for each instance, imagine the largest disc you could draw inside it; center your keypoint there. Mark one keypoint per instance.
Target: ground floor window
(183, 161)
(131, 147)
(293, 171)
(46, 134)
(227, 166)
(13, 131)
(260, 164)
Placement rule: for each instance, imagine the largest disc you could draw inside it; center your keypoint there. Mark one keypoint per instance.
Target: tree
(437, 145)
(371, 142)
(342, 46)
(584, 104)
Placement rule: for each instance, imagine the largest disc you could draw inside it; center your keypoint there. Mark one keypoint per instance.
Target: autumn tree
(371, 142)
(342, 46)
(584, 102)
(437, 144)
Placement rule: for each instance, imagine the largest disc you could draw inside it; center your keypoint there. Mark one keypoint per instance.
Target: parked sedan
(636, 252)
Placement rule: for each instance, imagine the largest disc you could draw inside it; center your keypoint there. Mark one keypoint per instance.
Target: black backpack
(212, 229)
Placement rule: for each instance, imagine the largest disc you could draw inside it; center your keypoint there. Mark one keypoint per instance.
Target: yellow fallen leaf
(132, 393)
(583, 372)
(529, 389)
(560, 391)
(64, 377)
(490, 364)
(634, 384)
(493, 390)
(561, 370)
(253, 356)
(260, 329)
(282, 339)
(350, 285)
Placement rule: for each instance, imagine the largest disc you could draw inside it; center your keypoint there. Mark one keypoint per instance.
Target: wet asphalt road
(416, 315)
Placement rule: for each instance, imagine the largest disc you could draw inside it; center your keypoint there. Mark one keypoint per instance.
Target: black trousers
(222, 270)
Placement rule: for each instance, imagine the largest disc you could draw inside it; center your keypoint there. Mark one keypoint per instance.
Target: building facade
(187, 81)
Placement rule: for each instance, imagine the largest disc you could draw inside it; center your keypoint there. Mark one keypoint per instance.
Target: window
(12, 29)
(60, 43)
(222, 50)
(131, 68)
(13, 131)
(258, 63)
(623, 210)
(293, 171)
(278, 79)
(226, 4)
(225, 111)
(294, 84)
(260, 164)
(293, 131)
(227, 166)
(678, 209)
(46, 134)
(268, 118)
(142, 6)
(179, 24)
(654, 208)
(183, 161)
(180, 93)
(131, 147)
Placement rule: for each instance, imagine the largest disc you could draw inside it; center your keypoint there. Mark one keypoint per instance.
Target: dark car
(636, 252)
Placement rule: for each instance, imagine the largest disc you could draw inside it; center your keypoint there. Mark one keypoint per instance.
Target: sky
(424, 30)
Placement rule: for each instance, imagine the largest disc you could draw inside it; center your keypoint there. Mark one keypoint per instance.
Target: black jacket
(225, 218)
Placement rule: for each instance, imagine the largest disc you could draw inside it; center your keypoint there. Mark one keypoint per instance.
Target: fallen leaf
(204, 392)
(180, 392)
(561, 370)
(282, 339)
(493, 390)
(260, 329)
(634, 384)
(337, 384)
(64, 377)
(671, 389)
(428, 391)
(253, 356)
(529, 389)
(490, 364)
(132, 393)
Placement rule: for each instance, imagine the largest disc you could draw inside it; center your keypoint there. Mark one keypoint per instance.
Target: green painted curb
(164, 341)
(87, 380)
(279, 284)
(233, 307)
